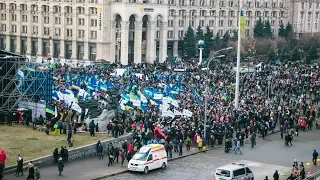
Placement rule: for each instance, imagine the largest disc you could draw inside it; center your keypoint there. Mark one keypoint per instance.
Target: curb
(179, 157)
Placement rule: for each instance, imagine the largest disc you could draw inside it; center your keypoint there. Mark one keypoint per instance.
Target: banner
(177, 113)
(76, 107)
(187, 113)
(136, 102)
(175, 103)
(158, 96)
(168, 114)
(164, 107)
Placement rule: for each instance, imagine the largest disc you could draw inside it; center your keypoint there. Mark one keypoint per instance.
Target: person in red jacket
(3, 157)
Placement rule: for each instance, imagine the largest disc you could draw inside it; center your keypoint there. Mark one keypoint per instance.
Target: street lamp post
(118, 49)
(269, 83)
(201, 45)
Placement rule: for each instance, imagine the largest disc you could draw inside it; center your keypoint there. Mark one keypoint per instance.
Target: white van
(233, 171)
(149, 157)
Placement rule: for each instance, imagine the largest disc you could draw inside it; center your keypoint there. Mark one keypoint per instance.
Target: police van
(234, 171)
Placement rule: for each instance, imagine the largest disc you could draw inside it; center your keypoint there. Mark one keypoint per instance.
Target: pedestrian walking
(111, 156)
(116, 154)
(253, 140)
(180, 147)
(276, 175)
(1, 170)
(60, 165)
(36, 173)
(238, 148)
(100, 151)
(31, 171)
(188, 143)
(170, 149)
(19, 166)
(200, 144)
(315, 157)
(122, 156)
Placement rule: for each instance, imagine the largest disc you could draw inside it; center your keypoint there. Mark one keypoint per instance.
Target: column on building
(139, 1)
(163, 42)
(30, 31)
(18, 39)
(137, 42)
(8, 24)
(175, 48)
(51, 46)
(62, 34)
(40, 32)
(151, 53)
(74, 35)
(124, 42)
(113, 41)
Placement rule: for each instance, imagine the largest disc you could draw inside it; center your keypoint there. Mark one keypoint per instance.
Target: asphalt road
(269, 155)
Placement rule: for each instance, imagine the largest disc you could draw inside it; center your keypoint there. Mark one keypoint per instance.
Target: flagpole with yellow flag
(241, 27)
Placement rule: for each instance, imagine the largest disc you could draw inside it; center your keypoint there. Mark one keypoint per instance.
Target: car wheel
(163, 165)
(252, 178)
(146, 170)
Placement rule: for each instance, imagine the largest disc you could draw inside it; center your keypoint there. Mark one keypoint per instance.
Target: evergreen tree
(284, 53)
(312, 54)
(199, 33)
(189, 44)
(288, 31)
(208, 39)
(225, 40)
(267, 31)
(235, 35)
(282, 31)
(272, 55)
(295, 54)
(217, 42)
(258, 31)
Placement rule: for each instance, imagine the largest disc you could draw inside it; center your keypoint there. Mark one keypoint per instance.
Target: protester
(315, 157)
(19, 166)
(60, 165)
(276, 175)
(31, 171)
(36, 173)
(1, 170)
(3, 157)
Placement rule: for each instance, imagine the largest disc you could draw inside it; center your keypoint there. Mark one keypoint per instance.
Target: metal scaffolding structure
(20, 83)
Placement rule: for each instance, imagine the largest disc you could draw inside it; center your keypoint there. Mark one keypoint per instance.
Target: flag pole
(236, 103)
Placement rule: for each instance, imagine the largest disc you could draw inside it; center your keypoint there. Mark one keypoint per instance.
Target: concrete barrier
(74, 154)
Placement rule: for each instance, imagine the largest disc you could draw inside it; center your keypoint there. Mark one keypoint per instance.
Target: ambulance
(149, 157)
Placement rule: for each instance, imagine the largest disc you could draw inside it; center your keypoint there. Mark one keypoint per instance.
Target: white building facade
(129, 31)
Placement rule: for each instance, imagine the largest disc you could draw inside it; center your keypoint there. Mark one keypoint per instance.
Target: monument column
(124, 42)
(137, 41)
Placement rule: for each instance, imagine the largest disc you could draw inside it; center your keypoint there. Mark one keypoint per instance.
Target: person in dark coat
(66, 154)
(56, 155)
(62, 153)
(60, 165)
(19, 166)
(116, 154)
(92, 128)
(1, 170)
(276, 175)
(31, 171)
(315, 157)
(100, 151)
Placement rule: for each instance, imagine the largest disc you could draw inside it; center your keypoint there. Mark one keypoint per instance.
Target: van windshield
(223, 172)
(140, 156)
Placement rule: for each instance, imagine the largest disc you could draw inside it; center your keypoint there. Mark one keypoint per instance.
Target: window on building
(56, 9)
(35, 30)
(93, 11)
(191, 23)
(310, 5)
(302, 5)
(158, 34)
(68, 9)
(230, 23)
(281, 5)
(211, 3)
(221, 4)
(172, 12)
(13, 17)
(3, 17)
(317, 15)
(317, 5)
(203, 13)
(211, 22)
(24, 18)
(93, 22)
(220, 23)
(181, 23)
(93, 1)
(181, 2)
(212, 13)
(35, 19)
(57, 20)
(24, 29)
(13, 28)
(34, 8)
(274, 4)
(256, 5)
(80, 10)
(69, 21)
(46, 20)
(45, 8)
(12, 6)
(182, 12)
(46, 31)
(272, 22)
(309, 15)
(3, 28)
(80, 33)
(69, 32)
(247, 32)
(81, 22)
(170, 23)
(181, 34)
(93, 34)
(192, 3)
(220, 32)
(3, 6)
(248, 23)
(57, 31)
(170, 34)
(316, 26)
(308, 26)
(201, 23)
(23, 7)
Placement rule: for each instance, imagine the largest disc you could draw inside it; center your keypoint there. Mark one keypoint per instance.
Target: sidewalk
(88, 169)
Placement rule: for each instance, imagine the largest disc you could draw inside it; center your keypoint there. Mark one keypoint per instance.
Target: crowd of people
(270, 95)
